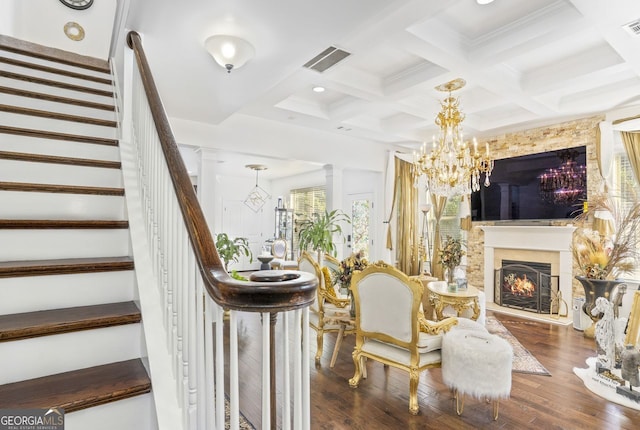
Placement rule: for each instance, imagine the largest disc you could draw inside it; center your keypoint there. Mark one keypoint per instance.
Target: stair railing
(184, 287)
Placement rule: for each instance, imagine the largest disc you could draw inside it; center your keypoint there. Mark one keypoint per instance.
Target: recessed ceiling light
(484, 1)
(318, 89)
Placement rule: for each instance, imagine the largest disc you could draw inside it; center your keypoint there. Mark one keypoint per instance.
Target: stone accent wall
(581, 132)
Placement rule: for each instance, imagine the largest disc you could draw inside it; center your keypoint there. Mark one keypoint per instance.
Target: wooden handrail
(268, 292)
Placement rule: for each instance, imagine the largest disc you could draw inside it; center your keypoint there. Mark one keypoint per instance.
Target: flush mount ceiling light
(77, 4)
(484, 1)
(257, 197)
(318, 89)
(230, 52)
(74, 31)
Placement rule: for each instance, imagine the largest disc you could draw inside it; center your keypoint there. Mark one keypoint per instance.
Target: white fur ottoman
(476, 363)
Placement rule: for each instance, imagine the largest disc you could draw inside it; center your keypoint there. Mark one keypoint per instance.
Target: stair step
(56, 321)
(64, 266)
(35, 50)
(79, 389)
(39, 224)
(39, 293)
(47, 69)
(55, 98)
(39, 158)
(67, 189)
(56, 84)
(59, 136)
(56, 115)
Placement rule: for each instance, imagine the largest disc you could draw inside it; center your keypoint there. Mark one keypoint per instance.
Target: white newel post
(531, 238)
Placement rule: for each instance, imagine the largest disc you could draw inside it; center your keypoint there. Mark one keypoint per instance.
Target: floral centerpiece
(601, 254)
(604, 248)
(354, 262)
(451, 255)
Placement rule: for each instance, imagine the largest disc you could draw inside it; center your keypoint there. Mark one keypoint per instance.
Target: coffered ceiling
(526, 62)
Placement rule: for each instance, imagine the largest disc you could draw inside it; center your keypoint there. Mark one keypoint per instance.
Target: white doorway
(238, 220)
(360, 233)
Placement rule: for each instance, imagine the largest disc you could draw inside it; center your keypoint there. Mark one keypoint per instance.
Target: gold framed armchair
(328, 313)
(388, 329)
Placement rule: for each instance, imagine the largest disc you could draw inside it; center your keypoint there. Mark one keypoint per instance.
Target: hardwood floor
(559, 401)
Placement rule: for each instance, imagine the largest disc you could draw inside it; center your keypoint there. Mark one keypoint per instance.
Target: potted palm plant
(232, 249)
(317, 233)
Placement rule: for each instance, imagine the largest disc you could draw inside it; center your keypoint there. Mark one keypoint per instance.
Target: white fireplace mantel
(538, 238)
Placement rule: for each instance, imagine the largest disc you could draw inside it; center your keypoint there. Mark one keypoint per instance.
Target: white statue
(604, 333)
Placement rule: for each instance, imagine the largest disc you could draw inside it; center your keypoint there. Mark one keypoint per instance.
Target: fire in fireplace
(525, 285)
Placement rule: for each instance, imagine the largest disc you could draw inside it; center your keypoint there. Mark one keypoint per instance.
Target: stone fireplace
(544, 245)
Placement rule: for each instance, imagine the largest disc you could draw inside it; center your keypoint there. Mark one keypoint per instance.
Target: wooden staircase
(70, 328)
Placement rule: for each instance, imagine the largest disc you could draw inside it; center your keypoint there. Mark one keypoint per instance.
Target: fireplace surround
(544, 244)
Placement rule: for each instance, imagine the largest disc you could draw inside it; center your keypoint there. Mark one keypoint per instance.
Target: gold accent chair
(279, 249)
(388, 328)
(328, 313)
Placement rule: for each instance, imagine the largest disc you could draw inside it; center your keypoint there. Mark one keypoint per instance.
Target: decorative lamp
(230, 52)
(451, 167)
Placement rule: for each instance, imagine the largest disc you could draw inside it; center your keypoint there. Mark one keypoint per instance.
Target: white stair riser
(62, 92)
(135, 413)
(35, 205)
(59, 174)
(57, 126)
(37, 145)
(51, 106)
(37, 293)
(52, 244)
(55, 76)
(48, 355)
(55, 65)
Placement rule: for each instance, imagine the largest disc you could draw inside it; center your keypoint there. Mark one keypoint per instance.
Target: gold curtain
(599, 156)
(407, 202)
(631, 142)
(439, 202)
(389, 244)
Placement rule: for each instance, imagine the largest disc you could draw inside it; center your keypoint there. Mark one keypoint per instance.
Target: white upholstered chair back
(387, 304)
(279, 249)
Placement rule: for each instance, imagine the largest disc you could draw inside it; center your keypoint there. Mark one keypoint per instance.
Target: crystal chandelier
(451, 167)
(565, 184)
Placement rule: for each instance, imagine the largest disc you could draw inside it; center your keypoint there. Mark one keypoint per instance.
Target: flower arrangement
(354, 262)
(601, 255)
(451, 252)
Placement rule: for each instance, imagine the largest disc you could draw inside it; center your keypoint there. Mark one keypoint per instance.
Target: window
(450, 220)
(624, 185)
(306, 202)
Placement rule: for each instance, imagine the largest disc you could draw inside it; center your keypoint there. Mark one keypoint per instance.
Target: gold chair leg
(496, 406)
(459, 402)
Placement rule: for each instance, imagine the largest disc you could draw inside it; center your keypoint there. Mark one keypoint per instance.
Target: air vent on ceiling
(633, 28)
(327, 58)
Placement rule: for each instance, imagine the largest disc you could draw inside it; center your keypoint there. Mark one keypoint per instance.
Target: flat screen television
(516, 193)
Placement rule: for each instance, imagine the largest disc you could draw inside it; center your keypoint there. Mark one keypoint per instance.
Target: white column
(209, 193)
(334, 187)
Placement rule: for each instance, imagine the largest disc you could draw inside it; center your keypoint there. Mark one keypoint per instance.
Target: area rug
(523, 361)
